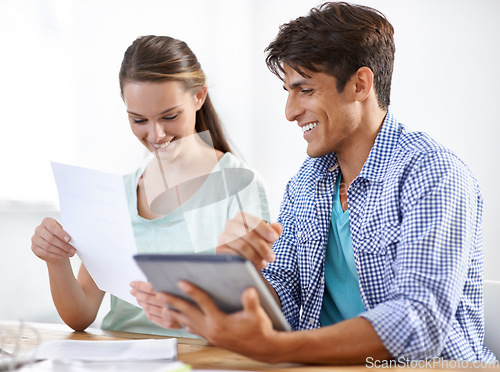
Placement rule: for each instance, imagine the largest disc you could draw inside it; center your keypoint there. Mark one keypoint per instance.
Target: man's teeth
(309, 126)
(161, 145)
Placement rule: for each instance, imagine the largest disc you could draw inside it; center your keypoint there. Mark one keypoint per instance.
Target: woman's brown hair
(162, 58)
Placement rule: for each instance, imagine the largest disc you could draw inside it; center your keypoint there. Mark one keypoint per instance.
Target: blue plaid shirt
(415, 216)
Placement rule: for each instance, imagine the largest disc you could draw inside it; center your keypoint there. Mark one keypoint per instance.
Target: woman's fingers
(146, 297)
(50, 241)
(154, 304)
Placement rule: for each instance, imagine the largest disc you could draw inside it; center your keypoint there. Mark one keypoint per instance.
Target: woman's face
(161, 113)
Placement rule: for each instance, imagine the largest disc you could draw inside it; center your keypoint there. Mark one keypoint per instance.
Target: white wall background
(59, 100)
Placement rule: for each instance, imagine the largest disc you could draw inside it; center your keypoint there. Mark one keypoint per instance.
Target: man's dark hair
(337, 38)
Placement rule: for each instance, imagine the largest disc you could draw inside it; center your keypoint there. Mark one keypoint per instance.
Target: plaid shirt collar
(376, 164)
(382, 151)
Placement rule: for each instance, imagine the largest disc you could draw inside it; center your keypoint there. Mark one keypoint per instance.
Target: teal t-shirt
(190, 230)
(341, 299)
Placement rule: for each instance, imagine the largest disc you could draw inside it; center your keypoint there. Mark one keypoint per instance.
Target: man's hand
(154, 305)
(249, 331)
(250, 237)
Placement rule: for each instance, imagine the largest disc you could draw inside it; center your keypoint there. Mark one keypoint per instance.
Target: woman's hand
(154, 305)
(51, 243)
(250, 237)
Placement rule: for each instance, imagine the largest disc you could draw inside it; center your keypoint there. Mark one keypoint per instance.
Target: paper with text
(94, 211)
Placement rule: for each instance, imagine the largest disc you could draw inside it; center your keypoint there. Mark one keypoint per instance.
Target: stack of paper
(104, 356)
(108, 351)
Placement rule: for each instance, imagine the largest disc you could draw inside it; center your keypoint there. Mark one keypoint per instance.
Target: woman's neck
(195, 159)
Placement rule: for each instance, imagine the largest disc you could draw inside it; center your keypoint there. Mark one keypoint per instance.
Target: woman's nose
(158, 132)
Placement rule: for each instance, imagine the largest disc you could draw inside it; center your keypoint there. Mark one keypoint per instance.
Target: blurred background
(59, 100)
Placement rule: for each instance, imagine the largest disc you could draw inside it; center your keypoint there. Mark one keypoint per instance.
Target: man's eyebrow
(296, 84)
(161, 113)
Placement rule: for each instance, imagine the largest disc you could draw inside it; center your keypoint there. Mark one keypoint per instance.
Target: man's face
(324, 115)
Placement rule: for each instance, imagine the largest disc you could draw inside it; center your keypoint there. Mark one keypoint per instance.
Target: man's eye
(306, 91)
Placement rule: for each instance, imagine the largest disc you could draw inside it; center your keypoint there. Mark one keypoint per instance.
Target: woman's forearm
(76, 304)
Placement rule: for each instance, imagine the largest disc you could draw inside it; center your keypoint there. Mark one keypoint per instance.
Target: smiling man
(377, 253)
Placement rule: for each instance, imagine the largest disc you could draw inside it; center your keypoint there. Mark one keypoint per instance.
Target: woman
(179, 202)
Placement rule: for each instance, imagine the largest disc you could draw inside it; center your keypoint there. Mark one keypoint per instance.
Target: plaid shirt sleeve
(440, 212)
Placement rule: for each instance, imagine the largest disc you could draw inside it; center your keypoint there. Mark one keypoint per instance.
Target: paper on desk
(108, 351)
(82, 366)
(94, 211)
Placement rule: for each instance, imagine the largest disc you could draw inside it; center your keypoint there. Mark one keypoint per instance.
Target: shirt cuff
(397, 325)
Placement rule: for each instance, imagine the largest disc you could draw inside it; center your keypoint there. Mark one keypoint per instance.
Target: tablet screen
(223, 277)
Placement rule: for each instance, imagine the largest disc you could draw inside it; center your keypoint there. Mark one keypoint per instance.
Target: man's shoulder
(420, 143)
(414, 146)
(398, 137)
(427, 157)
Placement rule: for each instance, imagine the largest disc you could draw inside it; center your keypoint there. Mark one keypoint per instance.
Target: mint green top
(192, 231)
(341, 299)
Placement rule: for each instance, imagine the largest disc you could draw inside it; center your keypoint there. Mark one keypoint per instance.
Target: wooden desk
(195, 352)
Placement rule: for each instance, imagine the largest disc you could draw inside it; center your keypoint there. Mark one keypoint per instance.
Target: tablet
(223, 277)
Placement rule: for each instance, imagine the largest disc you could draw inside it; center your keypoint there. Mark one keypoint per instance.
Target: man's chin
(312, 153)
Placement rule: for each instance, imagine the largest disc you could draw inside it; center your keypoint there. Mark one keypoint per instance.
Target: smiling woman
(170, 113)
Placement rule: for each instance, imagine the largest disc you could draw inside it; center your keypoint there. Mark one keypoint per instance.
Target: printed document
(94, 211)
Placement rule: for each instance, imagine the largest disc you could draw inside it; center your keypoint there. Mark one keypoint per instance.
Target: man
(377, 253)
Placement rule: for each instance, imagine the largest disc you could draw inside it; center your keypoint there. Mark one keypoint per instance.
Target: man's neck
(352, 158)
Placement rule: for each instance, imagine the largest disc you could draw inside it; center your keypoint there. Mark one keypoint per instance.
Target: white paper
(94, 211)
(82, 366)
(108, 351)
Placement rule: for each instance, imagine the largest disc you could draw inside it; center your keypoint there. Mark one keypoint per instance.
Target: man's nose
(292, 108)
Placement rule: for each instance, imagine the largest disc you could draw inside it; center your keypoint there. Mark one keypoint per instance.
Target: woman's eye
(170, 117)
(138, 121)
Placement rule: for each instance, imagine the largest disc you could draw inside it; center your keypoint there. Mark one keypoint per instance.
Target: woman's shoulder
(229, 160)
(132, 177)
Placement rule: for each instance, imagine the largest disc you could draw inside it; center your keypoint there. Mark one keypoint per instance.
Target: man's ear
(200, 97)
(363, 83)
